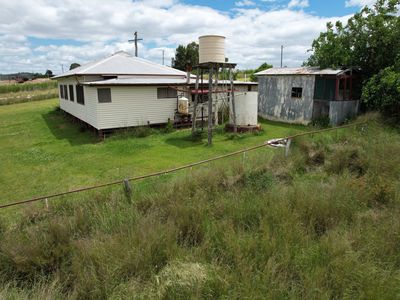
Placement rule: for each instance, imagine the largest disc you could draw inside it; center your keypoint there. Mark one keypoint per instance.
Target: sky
(36, 35)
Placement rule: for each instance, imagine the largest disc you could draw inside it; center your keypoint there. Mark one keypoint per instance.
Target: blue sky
(325, 8)
(53, 34)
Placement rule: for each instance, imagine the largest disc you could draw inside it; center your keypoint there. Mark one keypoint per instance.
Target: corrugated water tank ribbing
(212, 49)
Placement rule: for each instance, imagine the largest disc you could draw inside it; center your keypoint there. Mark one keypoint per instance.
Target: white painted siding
(134, 106)
(86, 112)
(130, 105)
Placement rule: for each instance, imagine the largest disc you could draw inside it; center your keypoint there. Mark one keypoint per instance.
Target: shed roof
(300, 71)
(122, 63)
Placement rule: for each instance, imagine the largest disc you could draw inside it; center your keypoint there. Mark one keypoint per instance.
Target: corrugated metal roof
(300, 71)
(122, 63)
(138, 81)
(158, 81)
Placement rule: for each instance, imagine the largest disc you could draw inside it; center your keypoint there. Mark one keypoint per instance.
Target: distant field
(42, 151)
(40, 89)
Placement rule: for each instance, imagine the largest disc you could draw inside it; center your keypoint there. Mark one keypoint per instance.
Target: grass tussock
(322, 223)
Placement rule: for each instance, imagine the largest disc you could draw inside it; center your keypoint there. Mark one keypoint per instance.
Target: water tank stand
(213, 70)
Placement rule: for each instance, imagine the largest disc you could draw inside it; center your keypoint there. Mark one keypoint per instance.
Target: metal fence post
(128, 189)
(287, 147)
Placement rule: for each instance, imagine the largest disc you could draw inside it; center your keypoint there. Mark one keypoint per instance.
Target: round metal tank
(183, 106)
(211, 49)
(246, 107)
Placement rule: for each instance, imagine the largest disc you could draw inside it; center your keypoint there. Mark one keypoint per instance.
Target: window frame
(71, 92)
(61, 91)
(297, 92)
(101, 91)
(170, 93)
(66, 97)
(79, 94)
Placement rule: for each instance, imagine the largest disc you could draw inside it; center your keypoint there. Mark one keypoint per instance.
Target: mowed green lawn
(42, 151)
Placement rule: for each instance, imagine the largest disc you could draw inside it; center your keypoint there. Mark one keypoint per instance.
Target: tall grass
(27, 86)
(320, 224)
(21, 97)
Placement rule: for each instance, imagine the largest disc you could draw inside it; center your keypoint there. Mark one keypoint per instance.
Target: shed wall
(275, 100)
(339, 111)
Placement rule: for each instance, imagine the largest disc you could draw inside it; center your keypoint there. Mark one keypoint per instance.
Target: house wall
(275, 100)
(339, 111)
(134, 106)
(86, 112)
(130, 105)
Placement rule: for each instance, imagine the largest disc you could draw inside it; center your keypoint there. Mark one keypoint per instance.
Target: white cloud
(245, 3)
(83, 31)
(362, 3)
(298, 3)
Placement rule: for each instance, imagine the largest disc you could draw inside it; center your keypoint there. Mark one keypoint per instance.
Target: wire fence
(126, 181)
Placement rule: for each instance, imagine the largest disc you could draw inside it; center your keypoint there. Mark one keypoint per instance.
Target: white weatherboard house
(122, 91)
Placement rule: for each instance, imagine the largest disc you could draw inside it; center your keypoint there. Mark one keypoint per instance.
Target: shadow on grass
(63, 128)
(186, 141)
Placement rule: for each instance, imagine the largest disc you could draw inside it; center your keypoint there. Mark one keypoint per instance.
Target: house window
(71, 93)
(80, 97)
(61, 92)
(297, 92)
(163, 93)
(65, 92)
(104, 95)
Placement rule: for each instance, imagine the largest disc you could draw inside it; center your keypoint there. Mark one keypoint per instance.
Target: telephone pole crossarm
(135, 40)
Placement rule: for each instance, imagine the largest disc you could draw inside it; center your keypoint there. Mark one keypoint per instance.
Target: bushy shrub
(382, 92)
(322, 122)
(169, 127)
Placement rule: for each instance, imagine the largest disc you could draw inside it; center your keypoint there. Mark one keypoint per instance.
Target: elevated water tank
(246, 107)
(211, 49)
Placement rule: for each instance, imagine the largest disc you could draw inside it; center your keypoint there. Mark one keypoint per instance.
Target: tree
(49, 73)
(74, 65)
(370, 40)
(382, 92)
(186, 56)
(263, 67)
(331, 49)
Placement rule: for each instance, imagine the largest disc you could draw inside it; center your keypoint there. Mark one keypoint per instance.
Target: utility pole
(163, 52)
(62, 68)
(282, 56)
(135, 40)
